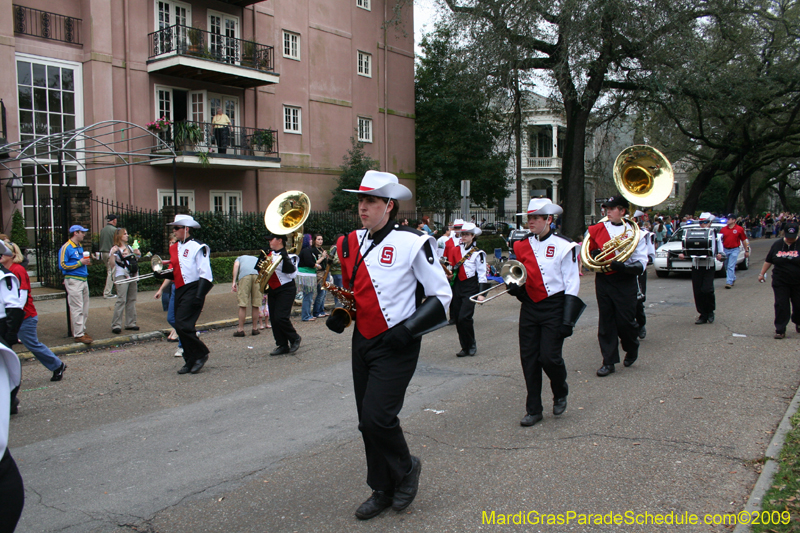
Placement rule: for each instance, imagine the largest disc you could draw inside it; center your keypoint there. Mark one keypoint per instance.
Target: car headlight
(662, 255)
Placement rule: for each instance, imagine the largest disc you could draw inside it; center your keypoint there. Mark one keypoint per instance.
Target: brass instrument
(285, 215)
(445, 265)
(348, 302)
(512, 271)
(156, 264)
(645, 178)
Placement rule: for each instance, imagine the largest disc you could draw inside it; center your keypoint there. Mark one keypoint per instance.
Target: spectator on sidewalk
(27, 333)
(72, 262)
(106, 243)
(247, 290)
(307, 278)
(126, 265)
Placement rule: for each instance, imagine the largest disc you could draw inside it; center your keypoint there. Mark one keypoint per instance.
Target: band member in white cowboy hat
(383, 264)
(455, 240)
(468, 279)
(703, 269)
(191, 264)
(550, 306)
(616, 290)
(641, 297)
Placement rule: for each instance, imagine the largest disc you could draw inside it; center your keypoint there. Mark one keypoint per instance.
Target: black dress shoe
(701, 320)
(406, 491)
(797, 328)
(642, 332)
(605, 370)
(711, 318)
(15, 406)
(629, 361)
(280, 350)
(199, 364)
(116, 331)
(462, 353)
(529, 420)
(559, 406)
(374, 505)
(185, 369)
(295, 345)
(473, 350)
(58, 373)
(133, 328)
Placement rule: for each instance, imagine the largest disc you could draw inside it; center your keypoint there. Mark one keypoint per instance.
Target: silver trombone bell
(512, 271)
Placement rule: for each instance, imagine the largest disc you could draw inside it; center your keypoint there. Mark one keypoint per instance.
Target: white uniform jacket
(552, 265)
(280, 278)
(386, 280)
(650, 240)
(10, 374)
(10, 295)
(475, 265)
(193, 262)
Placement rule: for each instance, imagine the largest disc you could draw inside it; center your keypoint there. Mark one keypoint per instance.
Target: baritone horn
(285, 215)
(645, 178)
(512, 271)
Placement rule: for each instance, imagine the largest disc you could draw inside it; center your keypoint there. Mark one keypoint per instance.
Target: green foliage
(457, 132)
(263, 140)
(187, 133)
(19, 235)
(713, 198)
(488, 243)
(355, 164)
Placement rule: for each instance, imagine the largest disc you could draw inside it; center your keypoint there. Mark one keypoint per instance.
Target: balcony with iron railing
(195, 54)
(52, 26)
(197, 146)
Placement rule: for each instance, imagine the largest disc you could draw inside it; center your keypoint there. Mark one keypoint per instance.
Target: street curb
(771, 466)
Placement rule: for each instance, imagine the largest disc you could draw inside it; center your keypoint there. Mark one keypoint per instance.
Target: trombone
(156, 264)
(512, 271)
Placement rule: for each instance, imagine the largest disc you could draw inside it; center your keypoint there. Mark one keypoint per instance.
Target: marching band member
(616, 290)
(703, 269)
(469, 278)
(191, 264)
(385, 264)
(650, 240)
(454, 241)
(550, 307)
(280, 298)
(12, 492)
(12, 303)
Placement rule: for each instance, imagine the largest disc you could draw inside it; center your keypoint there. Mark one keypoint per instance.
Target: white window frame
(226, 196)
(296, 36)
(172, 4)
(364, 64)
(299, 129)
(168, 193)
(364, 4)
(222, 37)
(365, 123)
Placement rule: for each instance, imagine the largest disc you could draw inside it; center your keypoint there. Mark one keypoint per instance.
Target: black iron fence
(143, 225)
(29, 21)
(189, 41)
(49, 237)
(188, 136)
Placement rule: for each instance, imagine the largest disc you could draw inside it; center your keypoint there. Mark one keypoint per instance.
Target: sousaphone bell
(285, 215)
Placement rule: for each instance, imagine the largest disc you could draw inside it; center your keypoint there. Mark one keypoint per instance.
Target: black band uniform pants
(616, 303)
(540, 349)
(381, 374)
(12, 494)
(703, 288)
(787, 305)
(279, 302)
(187, 310)
(641, 318)
(463, 309)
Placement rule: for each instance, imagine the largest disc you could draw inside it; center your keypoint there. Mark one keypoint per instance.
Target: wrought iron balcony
(29, 21)
(192, 53)
(245, 147)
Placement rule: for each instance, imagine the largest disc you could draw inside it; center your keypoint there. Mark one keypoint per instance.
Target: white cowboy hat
(184, 220)
(542, 206)
(382, 184)
(457, 223)
(469, 227)
(638, 214)
(706, 217)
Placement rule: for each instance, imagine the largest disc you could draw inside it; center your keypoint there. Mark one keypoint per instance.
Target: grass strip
(784, 495)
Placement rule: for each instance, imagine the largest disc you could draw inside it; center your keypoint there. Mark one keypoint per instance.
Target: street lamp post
(14, 188)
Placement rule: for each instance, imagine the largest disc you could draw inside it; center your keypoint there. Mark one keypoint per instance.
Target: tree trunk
(518, 147)
(717, 163)
(782, 195)
(573, 172)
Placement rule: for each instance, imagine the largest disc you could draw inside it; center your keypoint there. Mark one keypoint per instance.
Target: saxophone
(345, 296)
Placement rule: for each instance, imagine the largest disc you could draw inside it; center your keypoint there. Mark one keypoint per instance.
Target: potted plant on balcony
(187, 136)
(262, 142)
(195, 36)
(248, 54)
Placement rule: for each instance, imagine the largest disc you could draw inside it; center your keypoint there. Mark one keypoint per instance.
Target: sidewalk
(219, 311)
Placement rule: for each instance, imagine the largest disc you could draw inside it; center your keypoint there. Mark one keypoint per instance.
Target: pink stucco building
(313, 72)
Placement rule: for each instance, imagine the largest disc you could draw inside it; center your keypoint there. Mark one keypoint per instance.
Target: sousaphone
(285, 215)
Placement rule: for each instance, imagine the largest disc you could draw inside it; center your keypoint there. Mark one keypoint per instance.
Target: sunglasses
(176, 228)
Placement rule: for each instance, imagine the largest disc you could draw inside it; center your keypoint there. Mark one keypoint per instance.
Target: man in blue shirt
(72, 261)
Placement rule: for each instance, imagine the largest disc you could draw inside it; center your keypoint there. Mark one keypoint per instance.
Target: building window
(675, 191)
(363, 4)
(291, 45)
(291, 119)
(365, 130)
(364, 64)
(185, 198)
(226, 202)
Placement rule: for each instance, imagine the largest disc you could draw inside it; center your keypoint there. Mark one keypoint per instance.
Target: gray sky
(424, 19)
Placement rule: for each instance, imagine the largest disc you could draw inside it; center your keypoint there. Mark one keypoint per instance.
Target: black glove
(594, 253)
(13, 320)
(617, 266)
(565, 331)
(514, 289)
(203, 288)
(337, 322)
(398, 337)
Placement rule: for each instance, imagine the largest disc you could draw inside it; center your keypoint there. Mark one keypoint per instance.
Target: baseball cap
(111, 216)
(77, 227)
(791, 230)
(616, 201)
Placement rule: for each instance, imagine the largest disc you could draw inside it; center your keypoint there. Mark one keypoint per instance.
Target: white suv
(675, 244)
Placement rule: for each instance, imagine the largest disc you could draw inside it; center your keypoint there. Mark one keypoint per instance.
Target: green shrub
(18, 234)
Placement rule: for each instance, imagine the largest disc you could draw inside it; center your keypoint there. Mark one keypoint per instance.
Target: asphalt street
(270, 444)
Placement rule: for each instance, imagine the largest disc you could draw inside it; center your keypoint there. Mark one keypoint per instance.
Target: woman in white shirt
(125, 263)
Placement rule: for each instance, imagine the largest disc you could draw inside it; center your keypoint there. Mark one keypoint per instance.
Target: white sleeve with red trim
(431, 276)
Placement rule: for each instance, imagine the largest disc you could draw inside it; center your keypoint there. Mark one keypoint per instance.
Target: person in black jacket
(785, 257)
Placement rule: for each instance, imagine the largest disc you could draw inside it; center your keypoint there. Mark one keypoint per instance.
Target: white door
(223, 38)
(174, 15)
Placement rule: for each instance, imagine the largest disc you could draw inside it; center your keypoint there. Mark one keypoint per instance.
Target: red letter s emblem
(387, 255)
